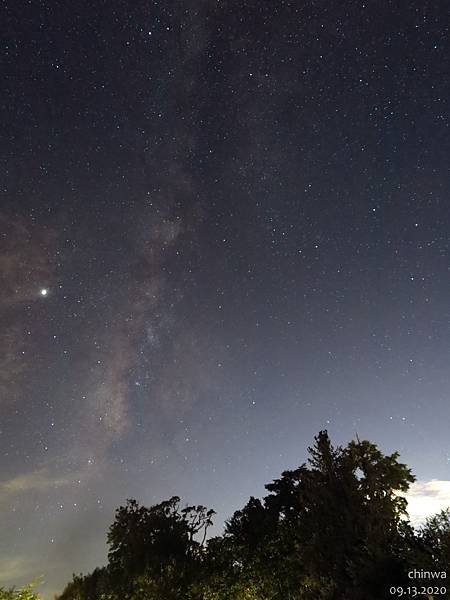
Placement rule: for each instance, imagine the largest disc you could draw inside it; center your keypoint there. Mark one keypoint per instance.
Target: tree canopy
(25, 593)
(335, 528)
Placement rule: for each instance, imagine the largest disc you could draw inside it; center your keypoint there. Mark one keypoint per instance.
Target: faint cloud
(38, 480)
(12, 362)
(11, 568)
(18, 568)
(26, 267)
(426, 498)
(25, 259)
(35, 480)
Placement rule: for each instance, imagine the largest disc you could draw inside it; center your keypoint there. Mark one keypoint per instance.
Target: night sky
(224, 227)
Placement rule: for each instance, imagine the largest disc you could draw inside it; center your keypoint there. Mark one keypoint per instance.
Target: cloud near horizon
(426, 498)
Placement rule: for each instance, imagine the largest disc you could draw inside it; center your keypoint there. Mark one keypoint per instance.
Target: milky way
(224, 227)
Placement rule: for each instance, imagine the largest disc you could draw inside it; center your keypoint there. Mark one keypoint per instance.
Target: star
(175, 285)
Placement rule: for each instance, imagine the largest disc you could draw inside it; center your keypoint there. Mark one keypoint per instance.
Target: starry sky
(224, 227)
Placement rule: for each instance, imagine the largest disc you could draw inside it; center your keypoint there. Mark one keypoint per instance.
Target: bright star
(44, 292)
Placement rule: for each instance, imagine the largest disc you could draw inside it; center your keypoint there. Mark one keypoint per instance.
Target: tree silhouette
(334, 523)
(335, 528)
(25, 593)
(434, 538)
(157, 544)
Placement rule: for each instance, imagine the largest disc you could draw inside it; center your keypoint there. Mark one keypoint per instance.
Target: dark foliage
(335, 528)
